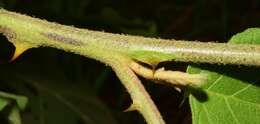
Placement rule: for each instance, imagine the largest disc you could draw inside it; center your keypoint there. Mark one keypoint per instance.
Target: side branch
(175, 78)
(142, 101)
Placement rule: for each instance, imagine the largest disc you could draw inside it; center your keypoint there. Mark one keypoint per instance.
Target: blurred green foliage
(64, 88)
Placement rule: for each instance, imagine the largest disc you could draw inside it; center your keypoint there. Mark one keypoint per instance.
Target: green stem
(115, 50)
(34, 32)
(141, 99)
(14, 117)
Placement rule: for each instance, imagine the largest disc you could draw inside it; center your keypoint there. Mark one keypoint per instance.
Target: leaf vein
(241, 90)
(231, 111)
(235, 98)
(207, 113)
(215, 82)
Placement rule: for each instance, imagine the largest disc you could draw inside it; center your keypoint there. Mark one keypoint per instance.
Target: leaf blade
(233, 92)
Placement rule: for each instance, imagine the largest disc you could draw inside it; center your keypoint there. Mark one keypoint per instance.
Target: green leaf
(70, 102)
(14, 112)
(249, 36)
(3, 103)
(231, 94)
(20, 100)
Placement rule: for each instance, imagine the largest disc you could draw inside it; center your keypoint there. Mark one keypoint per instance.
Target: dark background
(64, 88)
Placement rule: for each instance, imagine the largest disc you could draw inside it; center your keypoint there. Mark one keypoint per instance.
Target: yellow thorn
(19, 49)
(131, 108)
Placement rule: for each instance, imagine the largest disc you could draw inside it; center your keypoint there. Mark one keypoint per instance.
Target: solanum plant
(227, 97)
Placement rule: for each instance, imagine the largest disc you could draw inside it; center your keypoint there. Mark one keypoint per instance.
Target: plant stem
(141, 99)
(32, 32)
(115, 50)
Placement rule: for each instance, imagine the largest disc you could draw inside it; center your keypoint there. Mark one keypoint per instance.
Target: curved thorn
(132, 107)
(19, 49)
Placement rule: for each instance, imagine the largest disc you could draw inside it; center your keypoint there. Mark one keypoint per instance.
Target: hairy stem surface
(141, 99)
(115, 50)
(32, 32)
